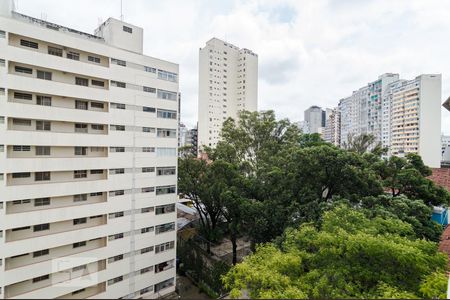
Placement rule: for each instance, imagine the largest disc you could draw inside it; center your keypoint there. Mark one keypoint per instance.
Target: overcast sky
(310, 52)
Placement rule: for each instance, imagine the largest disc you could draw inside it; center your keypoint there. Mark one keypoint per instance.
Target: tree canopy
(349, 256)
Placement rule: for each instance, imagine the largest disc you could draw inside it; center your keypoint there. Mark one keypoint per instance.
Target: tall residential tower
(88, 158)
(228, 83)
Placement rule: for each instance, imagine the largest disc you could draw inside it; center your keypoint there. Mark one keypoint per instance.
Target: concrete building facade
(332, 130)
(228, 83)
(88, 160)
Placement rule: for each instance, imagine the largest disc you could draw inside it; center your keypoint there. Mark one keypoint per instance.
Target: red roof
(441, 177)
(444, 244)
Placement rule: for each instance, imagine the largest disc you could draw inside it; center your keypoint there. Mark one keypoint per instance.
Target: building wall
(228, 83)
(59, 237)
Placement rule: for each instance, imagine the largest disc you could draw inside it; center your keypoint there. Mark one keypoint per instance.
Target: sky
(311, 52)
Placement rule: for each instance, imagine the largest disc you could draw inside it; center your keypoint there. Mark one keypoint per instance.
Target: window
(148, 169)
(149, 89)
(118, 127)
(79, 127)
(94, 59)
(164, 228)
(81, 81)
(41, 253)
(44, 100)
(147, 229)
(42, 176)
(164, 75)
(23, 70)
(78, 291)
(21, 175)
(119, 62)
(79, 244)
(167, 114)
(148, 129)
(97, 83)
(81, 104)
(43, 125)
(23, 96)
(118, 84)
(80, 174)
(147, 189)
(149, 69)
(117, 171)
(73, 55)
(117, 149)
(2, 119)
(21, 228)
(80, 198)
(118, 105)
(42, 150)
(96, 194)
(115, 280)
(41, 278)
(55, 51)
(97, 149)
(44, 75)
(162, 190)
(2, 34)
(146, 270)
(161, 171)
(41, 227)
(147, 210)
(127, 29)
(97, 127)
(167, 95)
(21, 148)
(29, 44)
(21, 122)
(115, 236)
(116, 215)
(164, 284)
(146, 290)
(148, 109)
(146, 250)
(115, 258)
(164, 209)
(148, 149)
(97, 105)
(97, 171)
(80, 150)
(167, 133)
(79, 221)
(117, 193)
(164, 247)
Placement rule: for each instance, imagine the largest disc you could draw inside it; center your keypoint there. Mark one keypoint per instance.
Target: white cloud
(310, 52)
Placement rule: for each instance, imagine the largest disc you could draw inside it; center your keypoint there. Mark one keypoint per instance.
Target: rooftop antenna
(121, 10)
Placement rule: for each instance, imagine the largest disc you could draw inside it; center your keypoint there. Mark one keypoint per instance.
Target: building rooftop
(55, 27)
(441, 176)
(447, 104)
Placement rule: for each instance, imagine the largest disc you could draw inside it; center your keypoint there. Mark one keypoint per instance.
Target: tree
(193, 177)
(350, 256)
(406, 176)
(363, 143)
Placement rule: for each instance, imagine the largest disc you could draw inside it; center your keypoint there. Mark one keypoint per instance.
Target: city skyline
(299, 45)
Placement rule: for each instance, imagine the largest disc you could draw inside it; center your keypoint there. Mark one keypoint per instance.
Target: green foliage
(434, 286)
(350, 256)
(363, 143)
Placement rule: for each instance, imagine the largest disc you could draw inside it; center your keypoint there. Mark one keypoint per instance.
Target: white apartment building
(362, 111)
(332, 130)
(416, 118)
(404, 115)
(88, 159)
(228, 83)
(445, 142)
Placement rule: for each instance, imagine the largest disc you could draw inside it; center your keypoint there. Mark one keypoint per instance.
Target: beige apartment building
(228, 83)
(88, 160)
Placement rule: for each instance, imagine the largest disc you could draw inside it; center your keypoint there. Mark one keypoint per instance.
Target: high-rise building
(228, 83)
(362, 112)
(315, 118)
(404, 115)
(332, 130)
(88, 158)
(416, 118)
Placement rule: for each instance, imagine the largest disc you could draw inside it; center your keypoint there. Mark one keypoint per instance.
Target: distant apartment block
(228, 83)
(314, 118)
(88, 160)
(332, 130)
(404, 115)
